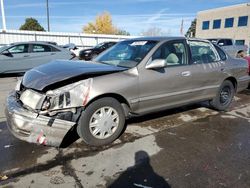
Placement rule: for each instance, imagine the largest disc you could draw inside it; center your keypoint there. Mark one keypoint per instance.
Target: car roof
(220, 38)
(157, 38)
(165, 38)
(34, 42)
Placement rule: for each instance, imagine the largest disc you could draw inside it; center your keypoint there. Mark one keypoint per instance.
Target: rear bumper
(32, 127)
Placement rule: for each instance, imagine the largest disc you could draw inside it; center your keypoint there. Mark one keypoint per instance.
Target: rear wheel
(224, 96)
(101, 122)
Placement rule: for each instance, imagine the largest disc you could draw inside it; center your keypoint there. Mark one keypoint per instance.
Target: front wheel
(224, 97)
(101, 122)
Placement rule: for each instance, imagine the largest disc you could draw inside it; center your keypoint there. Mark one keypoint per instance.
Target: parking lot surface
(192, 146)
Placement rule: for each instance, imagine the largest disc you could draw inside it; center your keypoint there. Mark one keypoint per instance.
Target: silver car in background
(132, 78)
(22, 56)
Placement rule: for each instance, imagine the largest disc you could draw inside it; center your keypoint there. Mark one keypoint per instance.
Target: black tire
(84, 130)
(224, 97)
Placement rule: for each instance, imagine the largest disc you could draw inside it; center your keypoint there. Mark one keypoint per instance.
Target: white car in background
(22, 56)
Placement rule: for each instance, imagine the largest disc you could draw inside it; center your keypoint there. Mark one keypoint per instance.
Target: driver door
(15, 60)
(169, 86)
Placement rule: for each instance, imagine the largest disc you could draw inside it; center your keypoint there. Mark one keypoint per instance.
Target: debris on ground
(142, 186)
(218, 149)
(223, 184)
(239, 145)
(57, 180)
(171, 133)
(8, 146)
(239, 177)
(2, 178)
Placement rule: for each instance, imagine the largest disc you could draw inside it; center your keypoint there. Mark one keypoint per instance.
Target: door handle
(52, 53)
(26, 56)
(186, 73)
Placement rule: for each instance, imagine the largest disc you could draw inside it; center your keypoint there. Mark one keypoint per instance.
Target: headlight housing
(32, 99)
(70, 96)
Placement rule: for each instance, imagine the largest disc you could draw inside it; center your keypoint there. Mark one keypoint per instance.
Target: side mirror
(6, 53)
(156, 64)
(221, 44)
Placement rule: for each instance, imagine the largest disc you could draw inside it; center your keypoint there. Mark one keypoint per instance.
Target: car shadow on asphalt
(141, 174)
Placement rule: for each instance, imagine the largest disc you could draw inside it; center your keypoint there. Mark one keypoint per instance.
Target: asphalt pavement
(192, 146)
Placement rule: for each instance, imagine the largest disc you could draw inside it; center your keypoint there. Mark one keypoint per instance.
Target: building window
(242, 21)
(229, 22)
(216, 24)
(225, 42)
(205, 25)
(239, 42)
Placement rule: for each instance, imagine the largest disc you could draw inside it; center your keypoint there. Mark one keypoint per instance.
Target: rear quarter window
(40, 48)
(221, 53)
(53, 49)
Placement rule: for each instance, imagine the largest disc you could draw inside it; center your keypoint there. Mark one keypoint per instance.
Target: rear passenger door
(41, 54)
(207, 69)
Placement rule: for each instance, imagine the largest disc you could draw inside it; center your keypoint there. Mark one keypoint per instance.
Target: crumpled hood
(61, 71)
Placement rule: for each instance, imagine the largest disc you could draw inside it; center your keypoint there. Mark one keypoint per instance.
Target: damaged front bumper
(33, 127)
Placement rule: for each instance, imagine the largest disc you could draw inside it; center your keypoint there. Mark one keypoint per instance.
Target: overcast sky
(133, 16)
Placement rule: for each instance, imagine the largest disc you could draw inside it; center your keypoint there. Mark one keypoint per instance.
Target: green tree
(192, 29)
(103, 25)
(31, 24)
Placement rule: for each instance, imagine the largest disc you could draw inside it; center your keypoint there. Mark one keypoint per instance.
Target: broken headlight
(32, 99)
(70, 96)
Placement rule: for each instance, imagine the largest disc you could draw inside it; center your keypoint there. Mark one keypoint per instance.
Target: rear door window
(202, 52)
(40, 48)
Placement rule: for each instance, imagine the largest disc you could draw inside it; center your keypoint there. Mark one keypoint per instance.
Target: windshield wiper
(102, 62)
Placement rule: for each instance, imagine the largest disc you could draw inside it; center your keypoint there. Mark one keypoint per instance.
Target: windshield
(127, 53)
(4, 48)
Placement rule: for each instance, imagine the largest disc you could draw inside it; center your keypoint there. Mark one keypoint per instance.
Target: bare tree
(153, 31)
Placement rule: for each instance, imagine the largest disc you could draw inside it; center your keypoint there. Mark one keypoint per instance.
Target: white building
(226, 22)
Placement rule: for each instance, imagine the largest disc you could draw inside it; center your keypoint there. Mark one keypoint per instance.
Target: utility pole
(3, 16)
(47, 5)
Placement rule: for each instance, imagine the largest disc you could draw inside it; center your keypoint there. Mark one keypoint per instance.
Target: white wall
(79, 39)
